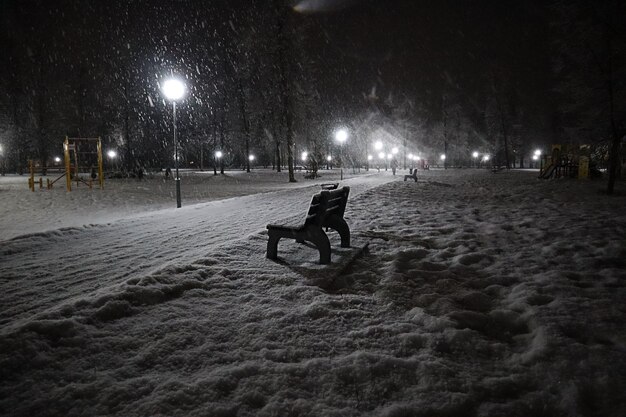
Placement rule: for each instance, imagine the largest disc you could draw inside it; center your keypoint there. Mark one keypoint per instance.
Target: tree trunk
(222, 147)
(285, 80)
(616, 136)
(214, 143)
(246, 123)
(614, 152)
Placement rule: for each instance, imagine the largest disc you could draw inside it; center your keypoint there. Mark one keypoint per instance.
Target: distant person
(168, 173)
(394, 165)
(93, 173)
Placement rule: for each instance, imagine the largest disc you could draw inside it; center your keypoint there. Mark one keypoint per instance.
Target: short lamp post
(536, 156)
(341, 135)
(381, 156)
(173, 90)
(218, 157)
(475, 156)
(112, 154)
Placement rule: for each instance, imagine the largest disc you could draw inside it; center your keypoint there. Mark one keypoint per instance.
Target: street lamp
(475, 156)
(173, 90)
(537, 155)
(341, 135)
(112, 154)
(304, 156)
(217, 157)
(378, 145)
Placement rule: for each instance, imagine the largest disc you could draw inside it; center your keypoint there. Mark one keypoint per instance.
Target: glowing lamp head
(219, 154)
(329, 158)
(251, 158)
(475, 154)
(341, 135)
(304, 156)
(381, 155)
(378, 145)
(486, 158)
(173, 89)
(111, 154)
(57, 159)
(394, 150)
(417, 158)
(443, 157)
(370, 157)
(410, 156)
(538, 152)
(535, 157)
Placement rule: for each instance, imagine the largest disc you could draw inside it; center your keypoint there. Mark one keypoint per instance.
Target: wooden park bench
(326, 210)
(412, 176)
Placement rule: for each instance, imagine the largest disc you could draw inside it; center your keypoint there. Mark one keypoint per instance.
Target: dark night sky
(422, 48)
(406, 45)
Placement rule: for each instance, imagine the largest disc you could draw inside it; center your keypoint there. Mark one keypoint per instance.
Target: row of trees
(265, 80)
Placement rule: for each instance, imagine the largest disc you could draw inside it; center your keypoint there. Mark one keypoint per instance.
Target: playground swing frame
(72, 171)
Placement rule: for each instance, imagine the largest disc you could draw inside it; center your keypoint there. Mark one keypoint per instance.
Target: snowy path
(70, 263)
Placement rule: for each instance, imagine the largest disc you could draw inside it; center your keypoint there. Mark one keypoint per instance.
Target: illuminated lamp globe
(173, 89)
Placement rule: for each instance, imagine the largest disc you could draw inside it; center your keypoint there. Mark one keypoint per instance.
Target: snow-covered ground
(466, 294)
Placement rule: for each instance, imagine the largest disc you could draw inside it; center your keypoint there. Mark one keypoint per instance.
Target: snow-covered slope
(468, 293)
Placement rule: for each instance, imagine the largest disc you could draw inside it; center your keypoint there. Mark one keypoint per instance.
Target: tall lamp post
(174, 90)
(341, 135)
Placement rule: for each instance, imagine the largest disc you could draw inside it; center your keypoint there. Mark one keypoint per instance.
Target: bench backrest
(327, 203)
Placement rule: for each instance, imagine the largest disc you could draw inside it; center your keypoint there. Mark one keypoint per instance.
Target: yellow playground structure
(570, 161)
(76, 151)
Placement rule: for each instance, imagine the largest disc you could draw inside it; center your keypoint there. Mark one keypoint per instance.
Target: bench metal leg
(272, 246)
(340, 225)
(321, 242)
